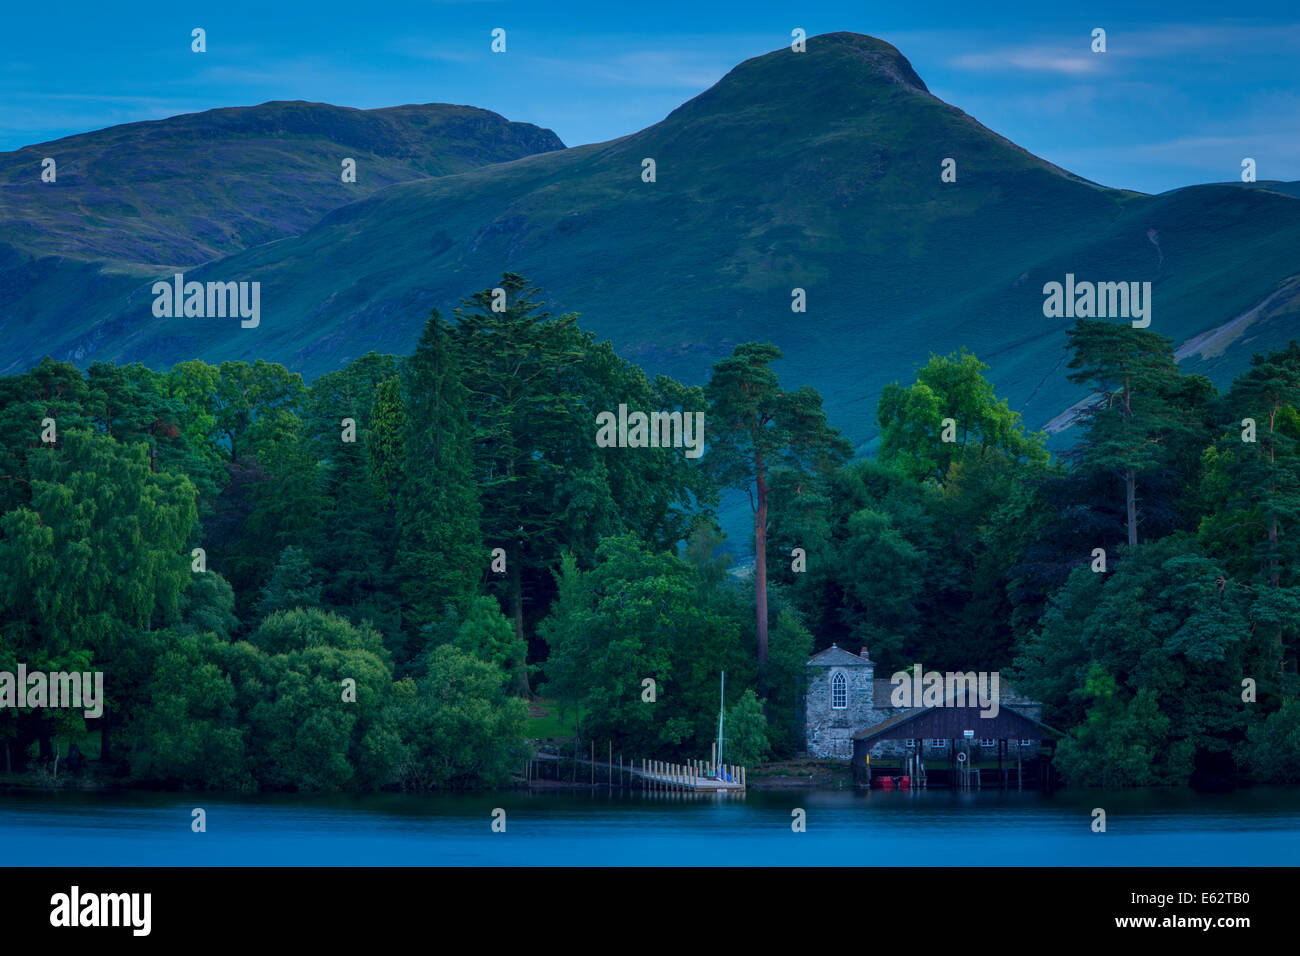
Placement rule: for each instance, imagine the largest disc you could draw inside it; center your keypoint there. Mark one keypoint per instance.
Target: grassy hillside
(185, 190)
(136, 200)
(818, 170)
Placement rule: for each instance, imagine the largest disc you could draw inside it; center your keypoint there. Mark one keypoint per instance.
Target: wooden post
(1002, 780)
(593, 761)
(1019, 777)
(713, 759)
(742, 778)
(610, 769)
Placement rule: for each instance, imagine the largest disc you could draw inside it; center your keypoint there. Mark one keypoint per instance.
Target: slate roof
(835, 656)
(907, 716)
(884, 692)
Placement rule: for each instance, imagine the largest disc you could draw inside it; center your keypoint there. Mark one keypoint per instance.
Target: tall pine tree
(1133, 425)
(754, 426)
(440, 549)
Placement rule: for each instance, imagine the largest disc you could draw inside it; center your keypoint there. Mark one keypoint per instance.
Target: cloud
(1038, 59)
(1071, 55)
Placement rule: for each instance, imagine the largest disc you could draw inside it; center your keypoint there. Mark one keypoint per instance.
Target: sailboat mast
(722, 705)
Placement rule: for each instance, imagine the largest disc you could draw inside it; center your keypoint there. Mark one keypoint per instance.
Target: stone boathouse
(849, 715)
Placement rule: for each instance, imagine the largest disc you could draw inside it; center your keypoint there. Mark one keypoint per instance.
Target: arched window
(839, 692)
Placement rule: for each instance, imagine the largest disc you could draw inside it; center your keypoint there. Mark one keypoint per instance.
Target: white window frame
(839, 683)
(1026, 743)
(988, 742)
(911, 741)
(939, 743)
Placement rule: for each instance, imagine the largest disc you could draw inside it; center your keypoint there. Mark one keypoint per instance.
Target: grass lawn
(544, 721)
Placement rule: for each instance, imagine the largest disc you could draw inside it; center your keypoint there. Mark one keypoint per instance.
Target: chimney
(864, 653)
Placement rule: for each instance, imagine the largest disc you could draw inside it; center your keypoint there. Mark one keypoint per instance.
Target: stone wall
(829, 732)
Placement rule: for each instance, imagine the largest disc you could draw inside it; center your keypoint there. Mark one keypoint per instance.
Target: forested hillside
(357, 583)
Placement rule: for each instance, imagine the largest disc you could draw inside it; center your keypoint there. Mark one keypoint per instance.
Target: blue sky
(1180, 97)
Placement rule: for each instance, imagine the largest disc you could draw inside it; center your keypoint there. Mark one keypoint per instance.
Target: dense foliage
(360, 583)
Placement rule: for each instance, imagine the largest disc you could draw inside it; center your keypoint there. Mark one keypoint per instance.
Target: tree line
(359, 582)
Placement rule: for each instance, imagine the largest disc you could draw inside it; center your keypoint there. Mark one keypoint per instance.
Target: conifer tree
(754, 426)
(1265, 473)
(1132, 423)
(292, 584)
(440, 550)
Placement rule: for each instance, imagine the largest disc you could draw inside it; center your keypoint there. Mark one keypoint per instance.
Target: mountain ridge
(816, 170)
(226, 179)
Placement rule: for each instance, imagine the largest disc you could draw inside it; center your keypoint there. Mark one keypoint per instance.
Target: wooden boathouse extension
(850, 716)
(966, 735)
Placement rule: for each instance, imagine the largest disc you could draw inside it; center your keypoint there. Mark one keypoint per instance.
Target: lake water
(1259, 826)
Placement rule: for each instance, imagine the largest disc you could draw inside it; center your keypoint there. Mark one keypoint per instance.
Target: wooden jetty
(694, 776)
(698, 776)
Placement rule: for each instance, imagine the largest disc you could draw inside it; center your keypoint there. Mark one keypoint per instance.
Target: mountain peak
(857, 50)
(837, 74)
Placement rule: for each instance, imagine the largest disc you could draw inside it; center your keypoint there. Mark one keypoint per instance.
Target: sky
(1182, 94)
